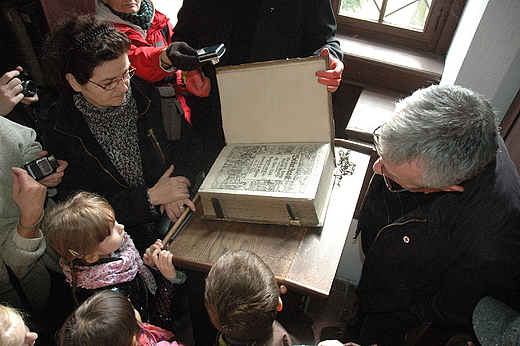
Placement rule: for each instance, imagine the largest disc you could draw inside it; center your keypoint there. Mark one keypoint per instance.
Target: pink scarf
(115, 272)
(156, 336)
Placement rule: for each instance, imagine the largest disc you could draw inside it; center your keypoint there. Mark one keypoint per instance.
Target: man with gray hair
(440, 223)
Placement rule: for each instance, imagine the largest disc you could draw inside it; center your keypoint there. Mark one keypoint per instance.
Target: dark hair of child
(242, 296)
(105, 319)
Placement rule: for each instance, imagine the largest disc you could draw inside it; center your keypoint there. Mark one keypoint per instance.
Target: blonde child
(97, 254)
(108, 318)
(13, 331)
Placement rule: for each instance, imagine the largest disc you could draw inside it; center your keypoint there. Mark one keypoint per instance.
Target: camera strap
(172, 112)
(21, 293)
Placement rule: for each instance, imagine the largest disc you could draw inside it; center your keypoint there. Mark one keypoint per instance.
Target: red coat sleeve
(144, 55)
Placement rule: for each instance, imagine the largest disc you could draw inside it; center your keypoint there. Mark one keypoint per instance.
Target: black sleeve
(321, 29)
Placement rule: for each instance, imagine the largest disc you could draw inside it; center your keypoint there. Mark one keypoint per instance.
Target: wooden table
(305, 259)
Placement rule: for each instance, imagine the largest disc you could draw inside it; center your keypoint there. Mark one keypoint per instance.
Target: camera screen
(44, 166)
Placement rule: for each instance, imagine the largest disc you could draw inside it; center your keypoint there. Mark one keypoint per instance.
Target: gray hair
(450, 130)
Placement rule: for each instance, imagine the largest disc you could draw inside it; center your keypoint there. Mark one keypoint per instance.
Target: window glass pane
(407, 13)
(411, 14)
(362, 9)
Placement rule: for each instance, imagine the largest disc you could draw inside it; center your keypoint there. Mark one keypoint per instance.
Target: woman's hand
(197, 84)
(332, 77)
(174, 210)
(169, 189)
(29, 195)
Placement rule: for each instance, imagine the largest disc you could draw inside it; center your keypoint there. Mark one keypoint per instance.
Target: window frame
(440, 27)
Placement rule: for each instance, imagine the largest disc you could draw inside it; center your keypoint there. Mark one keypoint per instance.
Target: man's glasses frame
(113, 84)
(386, 178)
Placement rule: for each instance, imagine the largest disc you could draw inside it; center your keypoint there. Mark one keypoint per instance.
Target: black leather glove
(182, 56)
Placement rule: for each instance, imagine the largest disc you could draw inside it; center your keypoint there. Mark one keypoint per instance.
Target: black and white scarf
(142, 18)
(115, 129)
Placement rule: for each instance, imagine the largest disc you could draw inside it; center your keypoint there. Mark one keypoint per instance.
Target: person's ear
(73, 82)
(280, 305)
(453, 188)
(91, 258)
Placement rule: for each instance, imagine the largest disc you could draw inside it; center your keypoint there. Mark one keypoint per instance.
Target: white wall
(169, 8)
(485, 52)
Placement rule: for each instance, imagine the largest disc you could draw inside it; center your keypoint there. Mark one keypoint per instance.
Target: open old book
(277, 166)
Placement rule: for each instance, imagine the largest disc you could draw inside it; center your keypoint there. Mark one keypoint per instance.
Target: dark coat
(69, 138)
(432, 257)
(281, 29)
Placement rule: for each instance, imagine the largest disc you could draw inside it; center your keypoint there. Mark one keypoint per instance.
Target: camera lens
(29, 88)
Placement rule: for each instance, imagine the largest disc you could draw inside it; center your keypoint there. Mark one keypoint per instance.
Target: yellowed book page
(273, 102)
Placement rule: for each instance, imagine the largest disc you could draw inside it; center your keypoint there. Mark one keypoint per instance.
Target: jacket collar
(443, 211)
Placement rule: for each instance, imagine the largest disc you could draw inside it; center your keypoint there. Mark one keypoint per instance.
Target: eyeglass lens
(126, 77)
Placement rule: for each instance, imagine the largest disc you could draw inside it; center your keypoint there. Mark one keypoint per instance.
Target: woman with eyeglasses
(109, 127)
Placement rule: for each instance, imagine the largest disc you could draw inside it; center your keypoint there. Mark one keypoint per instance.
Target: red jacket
(145, 52)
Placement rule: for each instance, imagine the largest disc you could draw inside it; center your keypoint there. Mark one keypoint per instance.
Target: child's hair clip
(75, 253)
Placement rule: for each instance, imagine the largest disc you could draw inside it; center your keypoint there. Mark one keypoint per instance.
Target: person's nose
(377, 167)
(123, 85)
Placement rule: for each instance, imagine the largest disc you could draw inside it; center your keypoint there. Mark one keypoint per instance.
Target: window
(422, 24)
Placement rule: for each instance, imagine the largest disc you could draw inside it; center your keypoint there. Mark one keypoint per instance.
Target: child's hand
(148, 254)
(163, 261)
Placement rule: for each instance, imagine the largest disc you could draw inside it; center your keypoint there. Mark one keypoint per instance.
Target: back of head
(450, 130)
(105, 319)
(10, 321)
(242, 296)
(80, 43)
(75, 227)
(496, 323)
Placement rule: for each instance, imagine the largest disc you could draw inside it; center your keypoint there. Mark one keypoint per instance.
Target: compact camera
(29, 86)
(41, 167)
(212, 53)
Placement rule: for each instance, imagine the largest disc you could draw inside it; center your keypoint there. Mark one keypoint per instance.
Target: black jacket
(279, 29)
(68, 136)
(432, 257)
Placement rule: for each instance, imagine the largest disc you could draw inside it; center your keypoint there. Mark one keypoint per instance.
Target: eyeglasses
(389, 185)
(113, 84)
(376, 134)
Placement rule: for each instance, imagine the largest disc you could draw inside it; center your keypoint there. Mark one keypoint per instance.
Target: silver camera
(41, 167)
(212, 53)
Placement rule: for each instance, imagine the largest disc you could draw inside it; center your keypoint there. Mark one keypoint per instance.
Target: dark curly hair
(80, 43)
